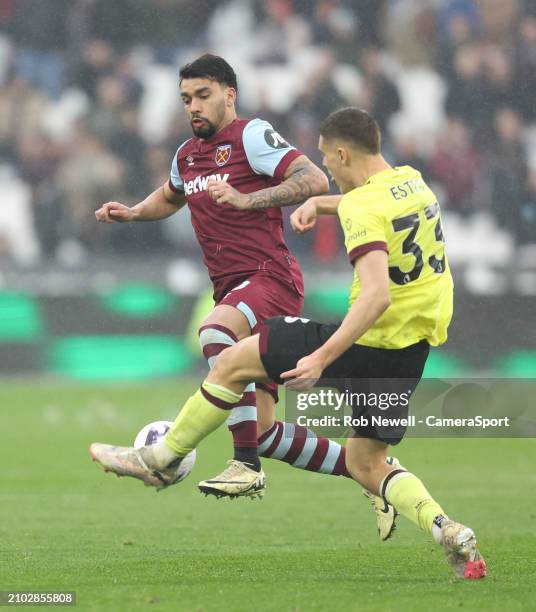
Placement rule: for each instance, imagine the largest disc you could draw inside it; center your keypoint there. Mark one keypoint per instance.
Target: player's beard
(210, 128)
(205, 131)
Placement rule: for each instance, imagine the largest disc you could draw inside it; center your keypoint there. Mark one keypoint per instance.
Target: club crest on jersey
(223, 154)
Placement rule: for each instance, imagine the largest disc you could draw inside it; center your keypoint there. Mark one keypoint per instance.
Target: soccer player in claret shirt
(235, 175)
(400, 305)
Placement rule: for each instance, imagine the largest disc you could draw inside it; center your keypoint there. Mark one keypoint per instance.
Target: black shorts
(360, 369)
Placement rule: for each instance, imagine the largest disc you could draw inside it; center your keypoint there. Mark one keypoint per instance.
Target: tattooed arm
(302, 180)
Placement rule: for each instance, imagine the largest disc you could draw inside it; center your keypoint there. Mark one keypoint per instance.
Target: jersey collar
(381, 174)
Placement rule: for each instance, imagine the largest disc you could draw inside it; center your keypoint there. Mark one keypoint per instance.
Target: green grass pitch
(311, 544)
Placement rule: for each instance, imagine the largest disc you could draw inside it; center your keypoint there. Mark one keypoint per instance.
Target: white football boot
(130, 461)
(238, 480)
(385, 513)
(461, 549)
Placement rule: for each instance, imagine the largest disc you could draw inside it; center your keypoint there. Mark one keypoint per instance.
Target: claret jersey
(250, 155)
(397, 212)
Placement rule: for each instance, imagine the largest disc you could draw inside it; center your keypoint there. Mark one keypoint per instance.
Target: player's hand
(112, 212)
(223, 193)
(303, 219)
(306, 373)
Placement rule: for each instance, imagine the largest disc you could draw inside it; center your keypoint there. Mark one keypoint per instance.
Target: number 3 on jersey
(412, 223)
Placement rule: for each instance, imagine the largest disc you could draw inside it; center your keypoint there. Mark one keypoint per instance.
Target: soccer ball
(153, 433)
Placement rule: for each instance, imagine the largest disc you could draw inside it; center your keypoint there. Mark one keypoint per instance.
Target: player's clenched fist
(304, 217)
(222, 193)
(114, 211)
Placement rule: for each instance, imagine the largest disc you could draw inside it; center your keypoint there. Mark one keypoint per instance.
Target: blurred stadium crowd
(90, 108)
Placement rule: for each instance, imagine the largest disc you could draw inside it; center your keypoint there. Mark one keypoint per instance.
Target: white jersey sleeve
(175, 176)
(264, 147)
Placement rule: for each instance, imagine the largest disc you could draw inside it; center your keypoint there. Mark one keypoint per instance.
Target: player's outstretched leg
(366, 462)
(156, 465)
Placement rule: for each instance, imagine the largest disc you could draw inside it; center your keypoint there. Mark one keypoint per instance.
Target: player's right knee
(227, 367)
